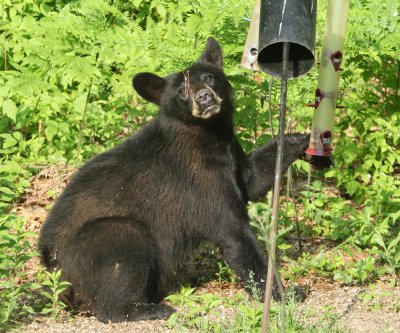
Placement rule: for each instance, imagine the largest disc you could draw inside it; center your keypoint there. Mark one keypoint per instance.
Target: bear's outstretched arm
(260, 173)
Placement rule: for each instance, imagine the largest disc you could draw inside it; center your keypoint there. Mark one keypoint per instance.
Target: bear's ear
(212, 55)
(149, 86)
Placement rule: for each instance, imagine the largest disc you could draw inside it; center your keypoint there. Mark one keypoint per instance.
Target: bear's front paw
(321, 162)
(299, 142)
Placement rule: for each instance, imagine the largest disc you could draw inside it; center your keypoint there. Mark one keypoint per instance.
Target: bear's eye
(208, 78)
(183, 93)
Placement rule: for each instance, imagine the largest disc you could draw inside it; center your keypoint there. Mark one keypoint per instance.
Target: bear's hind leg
(112, 265)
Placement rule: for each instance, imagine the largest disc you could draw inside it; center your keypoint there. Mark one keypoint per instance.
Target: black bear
(132, 216)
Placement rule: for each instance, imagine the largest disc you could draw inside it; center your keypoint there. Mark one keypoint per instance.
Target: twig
(5, 58)
(83, 121)
(290, 194)
(296, 218)
(270, 106)
(275, 201)
(398, 79)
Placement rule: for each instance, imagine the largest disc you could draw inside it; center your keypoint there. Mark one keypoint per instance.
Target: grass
(219, 313)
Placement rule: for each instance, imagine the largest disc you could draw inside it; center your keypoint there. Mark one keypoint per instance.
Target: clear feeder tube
(328, 83)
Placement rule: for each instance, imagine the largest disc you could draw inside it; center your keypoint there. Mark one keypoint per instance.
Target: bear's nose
(204, 96)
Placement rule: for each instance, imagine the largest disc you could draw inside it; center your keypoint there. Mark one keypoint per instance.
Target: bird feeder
(328, 82)
(280, 42)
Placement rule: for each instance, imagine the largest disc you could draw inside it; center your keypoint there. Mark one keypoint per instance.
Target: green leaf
(47, 310)
(377, 306)
(367, 297)
(379, 240)
(28, 309)
(51, 130)
(6, 190)
(47, 295)
(284, 246)
(9, 141)
(352, 186)
(10, 109)
(394, 242)
(80, 102)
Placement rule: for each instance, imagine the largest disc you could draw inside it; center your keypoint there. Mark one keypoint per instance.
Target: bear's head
(199, 93)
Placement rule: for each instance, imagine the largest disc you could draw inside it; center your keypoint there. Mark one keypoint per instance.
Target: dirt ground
(352, 315)
(381, 313)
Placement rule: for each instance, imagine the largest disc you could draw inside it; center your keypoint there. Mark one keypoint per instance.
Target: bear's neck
(220, 129)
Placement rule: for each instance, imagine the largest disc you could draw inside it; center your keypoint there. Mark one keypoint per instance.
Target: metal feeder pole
(277, 189)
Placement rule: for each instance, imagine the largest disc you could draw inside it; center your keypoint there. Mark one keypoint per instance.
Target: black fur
(131, 217)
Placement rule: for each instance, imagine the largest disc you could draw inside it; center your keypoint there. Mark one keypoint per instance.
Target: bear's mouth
(207, 112)
(211, 110)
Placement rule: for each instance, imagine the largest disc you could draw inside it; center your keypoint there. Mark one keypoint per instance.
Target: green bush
(16, 286)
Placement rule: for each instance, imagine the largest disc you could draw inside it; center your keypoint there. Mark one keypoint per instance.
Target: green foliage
(52, 280)
(365, 215)
(15, 248)
(19, 285)
(225, 273)
(13, 181)
(254, 288)
(196, 307)
(361, 272)
(370, 229)
(16, 285)
(367, 156)
(202, 313)
(260, 214)
(80, 87)
(375, 298)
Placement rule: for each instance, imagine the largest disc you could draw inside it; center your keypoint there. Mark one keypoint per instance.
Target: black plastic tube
(291, 21)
